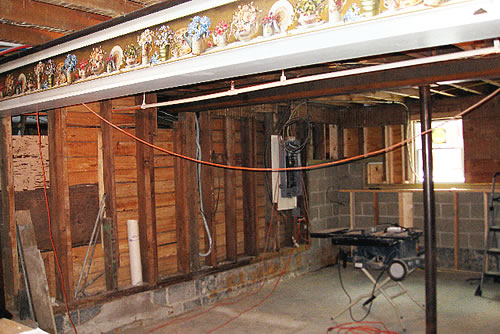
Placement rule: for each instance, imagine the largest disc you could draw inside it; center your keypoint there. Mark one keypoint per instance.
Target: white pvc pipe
(332, 75)
(134, 251)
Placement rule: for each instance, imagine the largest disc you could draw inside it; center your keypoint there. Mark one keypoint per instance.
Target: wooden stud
(192, 193)
(207, 182)
(248, 145)
(181, 201)
(188, 233)
(110, 247)
(10, 285)
(375, 208)
(405, 209)
(456, 230)
(268, 131)
(145, 127)
(60, 209)
(352, 209)
(230, 191)
(35, 272)
(108, 165)
(333, 141)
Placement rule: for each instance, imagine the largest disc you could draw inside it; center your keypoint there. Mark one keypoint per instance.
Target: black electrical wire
(372, 297)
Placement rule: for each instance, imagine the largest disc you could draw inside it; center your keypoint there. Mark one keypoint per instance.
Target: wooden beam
(471, 68)
(207, 183)
(248, 151)
(35, 272)
(112, 253)
(47, 15)
(102, 7)
(230, 191)
(25, 35)
(145, 126)
(60, 209)
(9, 257)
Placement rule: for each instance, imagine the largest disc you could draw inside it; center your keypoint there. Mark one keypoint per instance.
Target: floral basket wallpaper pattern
(234, 23)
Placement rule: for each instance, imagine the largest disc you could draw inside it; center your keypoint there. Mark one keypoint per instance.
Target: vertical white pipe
(134, 250)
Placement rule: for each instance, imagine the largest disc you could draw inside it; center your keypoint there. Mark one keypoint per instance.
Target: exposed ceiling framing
(34, 22)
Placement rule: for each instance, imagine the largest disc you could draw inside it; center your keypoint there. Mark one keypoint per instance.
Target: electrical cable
(361, 327)
(200, 190)
(372, 297)
(321, 165)
(50, 223)
(262, 281)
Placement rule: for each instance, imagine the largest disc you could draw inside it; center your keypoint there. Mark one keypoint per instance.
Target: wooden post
(456, 230)
(181, 201)
(405, 209)
(207, 183)
(230, 191)
(60, 207)
(108, 167)
(186, 207)
(375, 208)
(109, 243)
(352, 209)
(145, 127)
(9, 288)
(35, 272)
(268, 131)
(248, 148)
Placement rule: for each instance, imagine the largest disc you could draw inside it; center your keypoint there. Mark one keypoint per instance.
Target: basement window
(447, 151)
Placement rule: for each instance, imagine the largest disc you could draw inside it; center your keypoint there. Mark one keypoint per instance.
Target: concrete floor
(306, 304)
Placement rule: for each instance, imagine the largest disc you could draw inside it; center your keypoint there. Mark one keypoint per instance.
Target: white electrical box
(284, 203)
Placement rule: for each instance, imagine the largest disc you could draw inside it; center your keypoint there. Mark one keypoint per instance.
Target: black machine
(390, 249)
(385, 247)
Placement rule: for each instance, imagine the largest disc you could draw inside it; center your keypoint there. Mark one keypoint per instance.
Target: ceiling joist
(102, 7)
(47, 15)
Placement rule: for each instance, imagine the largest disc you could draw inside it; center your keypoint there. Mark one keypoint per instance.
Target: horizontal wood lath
(47, 15)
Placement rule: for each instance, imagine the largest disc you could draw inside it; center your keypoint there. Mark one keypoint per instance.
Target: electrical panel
(290, 181)
(286, 185)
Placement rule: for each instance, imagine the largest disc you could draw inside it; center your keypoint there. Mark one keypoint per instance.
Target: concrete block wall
(330, 208)
(206, 289)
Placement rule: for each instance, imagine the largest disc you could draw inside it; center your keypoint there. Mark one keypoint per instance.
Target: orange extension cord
(266, 245)
(362, 327)
(252, 169)
(304, 168)
(50, 221)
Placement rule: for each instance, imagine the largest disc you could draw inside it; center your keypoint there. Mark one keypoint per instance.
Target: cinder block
(317, 198)
(180, 292)
(476, 240)
(465, 197)
(477, 210)
(160, 297)
(444, 224)
(367, 209)
(472, 225)
(325, 211)
(388, 197)
(418, 210)
(364, 221)
(392, 210)
(446, 210)
(446, 240)
(443, 197)
(463, 210)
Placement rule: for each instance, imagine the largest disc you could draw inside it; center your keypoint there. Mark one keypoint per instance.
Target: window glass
(447, 151)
